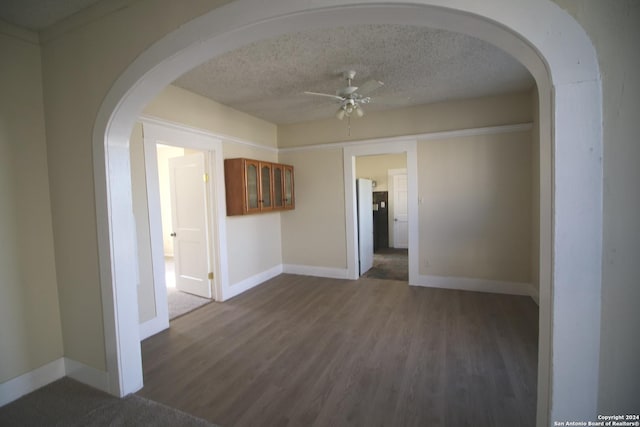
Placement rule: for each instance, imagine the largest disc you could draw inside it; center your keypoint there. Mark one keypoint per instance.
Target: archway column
(577, 252)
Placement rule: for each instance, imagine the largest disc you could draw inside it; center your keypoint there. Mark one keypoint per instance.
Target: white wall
(614, 30)
(30, 329)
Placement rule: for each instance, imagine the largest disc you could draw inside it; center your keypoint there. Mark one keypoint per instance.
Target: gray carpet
(390, 264)
(182, 303)
(69, 403)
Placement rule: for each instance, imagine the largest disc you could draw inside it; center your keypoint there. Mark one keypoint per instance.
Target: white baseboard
(52, 371)
(250, 282)
(86, 374)
(476, 285)
(310, 270)
(152, 327)
(534, 293)
(31, 381)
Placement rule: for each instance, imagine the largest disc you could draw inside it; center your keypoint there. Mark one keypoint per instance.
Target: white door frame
(392, 146)
(565, 67)
(155, 132)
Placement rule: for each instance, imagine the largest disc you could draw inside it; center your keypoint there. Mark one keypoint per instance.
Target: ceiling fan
(351, 98)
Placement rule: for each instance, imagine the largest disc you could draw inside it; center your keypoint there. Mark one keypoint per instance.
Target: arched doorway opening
(565, 68)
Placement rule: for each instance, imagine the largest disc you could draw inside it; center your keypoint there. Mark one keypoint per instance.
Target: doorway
(379, 162)
(183, 222)
(389, 207)
(183, 208)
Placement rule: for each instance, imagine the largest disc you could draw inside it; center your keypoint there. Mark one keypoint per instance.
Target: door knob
(173, 234)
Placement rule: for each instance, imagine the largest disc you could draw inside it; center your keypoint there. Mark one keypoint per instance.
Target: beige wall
(253, 241)
(81, 59)
(30, 330)
(377, 167)
(475, 207)
(81, 62)
(185, 107)
(452, 115)
(314, 234)
(485, 179)
(614, 30)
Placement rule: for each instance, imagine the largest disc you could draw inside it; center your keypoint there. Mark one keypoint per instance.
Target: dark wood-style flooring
(305, 351)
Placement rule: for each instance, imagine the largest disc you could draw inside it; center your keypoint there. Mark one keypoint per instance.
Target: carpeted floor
(182, 303)
(69, 403)
(390, 264)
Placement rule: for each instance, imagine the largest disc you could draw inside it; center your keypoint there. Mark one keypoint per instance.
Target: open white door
(400, 212)
(364, 194)
(189, 219)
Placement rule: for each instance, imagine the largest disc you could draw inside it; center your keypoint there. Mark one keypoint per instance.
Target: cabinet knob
(173, 234)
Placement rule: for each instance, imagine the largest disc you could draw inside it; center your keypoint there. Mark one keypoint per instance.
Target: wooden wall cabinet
(254, 186)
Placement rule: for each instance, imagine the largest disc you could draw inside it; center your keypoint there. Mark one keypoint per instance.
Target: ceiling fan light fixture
(359, 111)
(340, 113)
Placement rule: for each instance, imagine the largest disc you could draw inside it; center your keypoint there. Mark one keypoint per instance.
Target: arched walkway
(544, 38)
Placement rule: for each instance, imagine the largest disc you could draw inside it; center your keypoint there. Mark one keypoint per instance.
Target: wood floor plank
(306, 351)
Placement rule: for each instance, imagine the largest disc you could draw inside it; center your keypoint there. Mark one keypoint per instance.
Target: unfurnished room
(340, 213)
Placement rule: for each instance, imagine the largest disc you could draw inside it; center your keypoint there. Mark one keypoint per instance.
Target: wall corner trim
(250, 282)
(475, 285)
(153, 120)
(86, 374)
(153, 326)
(33, 380)
(310, 270)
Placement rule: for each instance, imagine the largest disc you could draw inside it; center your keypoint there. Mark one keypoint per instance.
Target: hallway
(390, 264)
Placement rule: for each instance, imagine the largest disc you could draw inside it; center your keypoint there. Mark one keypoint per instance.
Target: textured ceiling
(266, 79)
(39, 14)
(418, 66)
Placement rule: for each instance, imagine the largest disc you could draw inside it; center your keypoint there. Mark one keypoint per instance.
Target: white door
(364, 192)
(400, 221)
(189, 220)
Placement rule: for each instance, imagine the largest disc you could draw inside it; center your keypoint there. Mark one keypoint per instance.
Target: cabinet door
(278, 187)
(252, 187)
(289, 194)
(266, 187)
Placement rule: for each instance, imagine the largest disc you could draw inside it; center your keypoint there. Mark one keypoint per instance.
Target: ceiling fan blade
(370, 86)
(328, 95)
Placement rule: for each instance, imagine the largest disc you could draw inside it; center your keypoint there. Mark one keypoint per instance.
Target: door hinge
(210, 276)
(205, 177)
